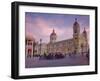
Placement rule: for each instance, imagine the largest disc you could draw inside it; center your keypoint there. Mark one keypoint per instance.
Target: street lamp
(82, 49)
(40, 45)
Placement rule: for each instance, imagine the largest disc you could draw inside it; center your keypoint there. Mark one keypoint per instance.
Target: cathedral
(76, 45)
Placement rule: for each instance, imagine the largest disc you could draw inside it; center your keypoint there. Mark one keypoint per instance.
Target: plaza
(68, 52)
(74, 60)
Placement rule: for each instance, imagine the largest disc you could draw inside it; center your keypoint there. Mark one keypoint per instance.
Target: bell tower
(85, 38)
(76, 36)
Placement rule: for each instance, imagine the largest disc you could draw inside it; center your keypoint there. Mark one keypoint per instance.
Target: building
(29, 45)
(41, 49)
(33, 48)
(76, 45)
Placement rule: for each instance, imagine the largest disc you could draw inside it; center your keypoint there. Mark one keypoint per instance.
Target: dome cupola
(76, 27)
(53, 33)
(76, 23)
(53, 36)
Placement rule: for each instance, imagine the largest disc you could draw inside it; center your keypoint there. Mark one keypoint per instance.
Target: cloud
(42, 28)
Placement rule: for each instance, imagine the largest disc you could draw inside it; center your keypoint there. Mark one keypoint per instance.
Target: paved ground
(67, 61)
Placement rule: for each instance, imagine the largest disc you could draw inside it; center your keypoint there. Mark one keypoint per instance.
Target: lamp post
(82, 49)
(40, 45)
(34, 45)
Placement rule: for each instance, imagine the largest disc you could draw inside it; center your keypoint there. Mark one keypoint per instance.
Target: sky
(41, 25)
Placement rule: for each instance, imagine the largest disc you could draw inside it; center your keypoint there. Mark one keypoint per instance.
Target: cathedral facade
(76, 45)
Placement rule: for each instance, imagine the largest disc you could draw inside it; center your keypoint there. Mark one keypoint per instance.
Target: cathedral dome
(53, 33)
(76, 23)
(53, 36)
(76, 27)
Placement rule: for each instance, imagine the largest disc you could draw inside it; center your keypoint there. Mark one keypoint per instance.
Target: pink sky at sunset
(40, 27)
